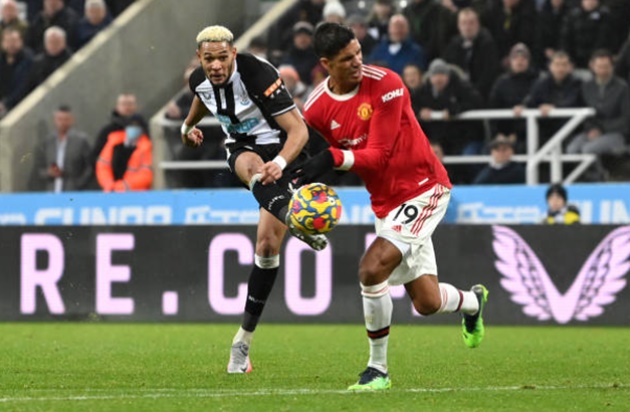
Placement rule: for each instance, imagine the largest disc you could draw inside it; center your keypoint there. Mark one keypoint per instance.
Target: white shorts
(409, 227)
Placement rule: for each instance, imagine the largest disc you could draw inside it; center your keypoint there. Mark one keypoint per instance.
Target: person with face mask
(125, 163)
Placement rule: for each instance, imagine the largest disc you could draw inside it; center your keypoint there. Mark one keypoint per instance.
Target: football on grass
(315, 208)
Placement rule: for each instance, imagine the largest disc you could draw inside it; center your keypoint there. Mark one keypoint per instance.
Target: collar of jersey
(341, 97)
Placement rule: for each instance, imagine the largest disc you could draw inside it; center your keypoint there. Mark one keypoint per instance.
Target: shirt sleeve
(264, 84)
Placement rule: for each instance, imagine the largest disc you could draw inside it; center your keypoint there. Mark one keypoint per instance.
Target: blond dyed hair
(215, 34)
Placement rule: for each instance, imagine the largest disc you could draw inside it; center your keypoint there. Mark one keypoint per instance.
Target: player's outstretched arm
(191, 136)
(297, 136)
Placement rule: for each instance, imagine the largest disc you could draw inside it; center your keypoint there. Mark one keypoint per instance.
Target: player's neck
(340, 88)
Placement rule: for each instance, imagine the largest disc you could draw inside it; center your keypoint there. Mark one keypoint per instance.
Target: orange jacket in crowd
(139, 174)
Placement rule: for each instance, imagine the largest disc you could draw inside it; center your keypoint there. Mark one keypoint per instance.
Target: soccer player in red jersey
(365, 113)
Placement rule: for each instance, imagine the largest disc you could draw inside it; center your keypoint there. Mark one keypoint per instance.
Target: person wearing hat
(334, 12)
(301, 54)
(126, 162)
(360, 27)
(502, 169)
(558, 211)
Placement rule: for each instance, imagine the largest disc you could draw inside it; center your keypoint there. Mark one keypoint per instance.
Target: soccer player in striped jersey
(265, 133)
(365, 113)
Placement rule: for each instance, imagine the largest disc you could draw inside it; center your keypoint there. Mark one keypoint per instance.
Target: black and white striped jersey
(248, 102)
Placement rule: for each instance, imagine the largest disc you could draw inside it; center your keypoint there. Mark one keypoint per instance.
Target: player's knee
(267, 245)
(370, 275)
(427, 305)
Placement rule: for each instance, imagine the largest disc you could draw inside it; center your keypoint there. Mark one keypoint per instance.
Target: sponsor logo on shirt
(334, 125)
(392, 95)
(365, 111)
(347, 142)
(273, 88)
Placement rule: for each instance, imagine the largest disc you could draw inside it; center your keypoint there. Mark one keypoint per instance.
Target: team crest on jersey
(365, 111)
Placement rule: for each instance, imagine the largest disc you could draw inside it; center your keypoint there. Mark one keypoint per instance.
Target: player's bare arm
(297, 136)
(191, 136)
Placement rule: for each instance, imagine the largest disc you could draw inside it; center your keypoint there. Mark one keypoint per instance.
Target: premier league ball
(315, 208)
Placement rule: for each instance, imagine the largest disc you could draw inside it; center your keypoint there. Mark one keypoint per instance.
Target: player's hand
(270, 172)
(313, 168)
(194, 138)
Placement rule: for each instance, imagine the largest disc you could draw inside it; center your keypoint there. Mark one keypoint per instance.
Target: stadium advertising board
(535, 274)
(512, 204)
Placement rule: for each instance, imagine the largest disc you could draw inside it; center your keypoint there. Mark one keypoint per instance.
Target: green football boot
(372, 380)
(472, 325)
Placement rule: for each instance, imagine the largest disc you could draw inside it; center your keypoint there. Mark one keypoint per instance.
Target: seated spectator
(474, 51)
(334, 12)
(301, 54)
(412, 77)
(448, 94)
(511, 22)
(281, 33)
(502, 169)
(511, 90)
(397, 49)
(54, 14)
(359, 27)
(126, 106)
(257, 47)
(10, 19)
(55, 54)
(294, 85)
(62, 161)
(431, 24)
(126, 162)
(558, 89)
(96, 18)
(622, 67)
(609, 95)
(586, 29)
(378, 19)
(15, 69)
(558, 211)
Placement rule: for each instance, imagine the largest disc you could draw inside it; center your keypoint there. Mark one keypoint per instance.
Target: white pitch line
(210, 393)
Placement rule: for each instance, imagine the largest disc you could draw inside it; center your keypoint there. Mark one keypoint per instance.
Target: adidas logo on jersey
(334, 125)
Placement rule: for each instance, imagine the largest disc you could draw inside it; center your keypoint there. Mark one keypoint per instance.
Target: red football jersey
(373, 132)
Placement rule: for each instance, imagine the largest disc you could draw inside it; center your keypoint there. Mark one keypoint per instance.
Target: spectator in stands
(397, 49)
(412, 77)
(96, 18)
(378, 19)
(125, 163)
(511, 22)
(619, 16)
(334, 12)
(586, 29)
(550, 21)
(15, 69)
(62, 161)
(359, 27)
(55, 54)
(622, 67)
(33, 8)
(558, 89)
(502, 169)
(301, 54)
(511, 90)
(281, 34)
(298, 90)
(558, 211)
(258, 47)
(10, 19)
(474, 51)
(431, 25)
(54, 13)
(126, 106)
(610, 97)
(447, 94)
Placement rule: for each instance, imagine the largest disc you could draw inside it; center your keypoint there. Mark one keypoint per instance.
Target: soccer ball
(315, 208)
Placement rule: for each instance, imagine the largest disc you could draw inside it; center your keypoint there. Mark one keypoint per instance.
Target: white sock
(455, 300)
(377, 311)
(243, 336)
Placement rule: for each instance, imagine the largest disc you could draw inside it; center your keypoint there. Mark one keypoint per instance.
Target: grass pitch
(169, 367)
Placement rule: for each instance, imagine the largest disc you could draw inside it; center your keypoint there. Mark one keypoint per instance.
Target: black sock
(258, 289)
(274, 197)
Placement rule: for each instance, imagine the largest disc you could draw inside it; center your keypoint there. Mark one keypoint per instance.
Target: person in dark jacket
(55, 54)
(586, 29)
(511, 22)
(502, 169)
(474, 51)
(15, 68)
(96, 18)
(54, 13)
(301, 54)
(431, 25)
(550, 20)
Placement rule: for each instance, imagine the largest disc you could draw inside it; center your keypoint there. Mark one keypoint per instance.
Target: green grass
(164, 367)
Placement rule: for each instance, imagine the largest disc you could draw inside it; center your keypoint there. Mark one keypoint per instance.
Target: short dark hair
(602, 54)
(64, 108)
(330, 38)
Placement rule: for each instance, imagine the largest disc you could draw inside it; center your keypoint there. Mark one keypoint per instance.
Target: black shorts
(267, 152)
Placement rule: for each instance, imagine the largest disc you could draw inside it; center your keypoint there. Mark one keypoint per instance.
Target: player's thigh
(378, 262)
(269, 235)
(247, 165)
